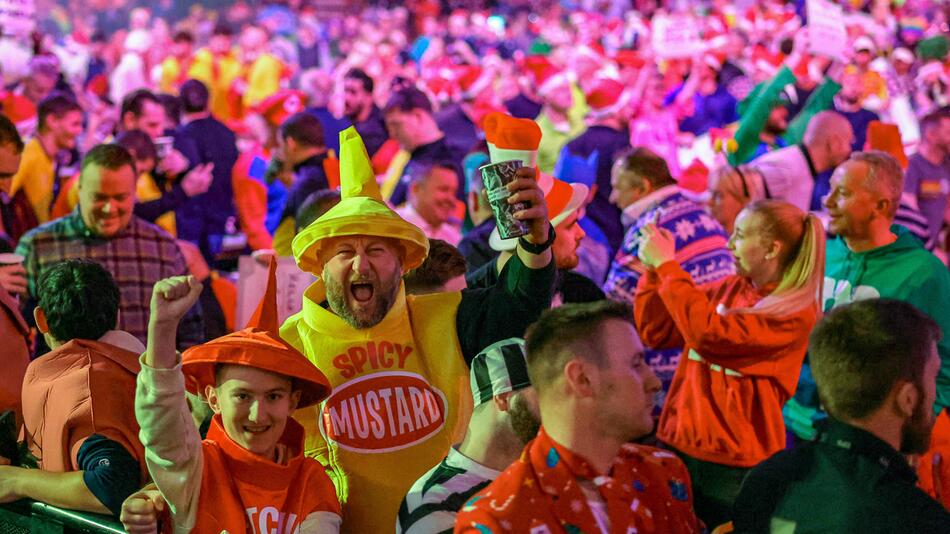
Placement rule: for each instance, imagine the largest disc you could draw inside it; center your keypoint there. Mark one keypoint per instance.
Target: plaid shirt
(137, 257)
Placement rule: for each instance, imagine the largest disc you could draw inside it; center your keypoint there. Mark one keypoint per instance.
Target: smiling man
(103, 229)
(432, 203)
(874, 258)
(398, 364)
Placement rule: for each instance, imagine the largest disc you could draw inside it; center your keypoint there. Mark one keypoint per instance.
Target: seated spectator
(474, 244)
(431, 204)
(103, 229)
(875, 363)
(303, 149)
(59, 124)
(253, 381)
(730, 190)
(443, 270)
(873, 257)
(790, 173)
(78, 399)
(581, 473)
(16, 213)
(504, 420)
(744, 341)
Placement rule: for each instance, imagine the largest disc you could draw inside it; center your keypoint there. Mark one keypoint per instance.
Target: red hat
(281, 105)
(259, 346)
(546, 76)
(606, 97)
(629, 58)
(473, 80)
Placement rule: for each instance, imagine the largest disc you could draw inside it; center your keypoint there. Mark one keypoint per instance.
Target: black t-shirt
(109, 471)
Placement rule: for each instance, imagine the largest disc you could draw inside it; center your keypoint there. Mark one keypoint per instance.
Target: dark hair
(363, 78)
(408, 99)
(172, 105)
(646, 165)
(107, 156)
(80, 300)
(9, 134)
(57, 104)
(443, 263)
(860, 351)
(183, 36)
(566, 332)
(134, 102)
(139, 143)
(314, 206)
(223, 28)
(194, 96)
(303, 128)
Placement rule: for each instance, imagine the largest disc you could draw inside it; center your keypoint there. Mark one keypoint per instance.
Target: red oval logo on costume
(383, 412)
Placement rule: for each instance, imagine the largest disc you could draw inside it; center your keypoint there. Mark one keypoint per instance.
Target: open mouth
(362, 291)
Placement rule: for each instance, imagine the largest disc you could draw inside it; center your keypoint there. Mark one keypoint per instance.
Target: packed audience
(605, 265)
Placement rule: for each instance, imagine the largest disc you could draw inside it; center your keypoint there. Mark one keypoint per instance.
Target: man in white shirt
(432, 203)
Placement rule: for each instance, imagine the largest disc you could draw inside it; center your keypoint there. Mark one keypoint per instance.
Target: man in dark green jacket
(876, 365)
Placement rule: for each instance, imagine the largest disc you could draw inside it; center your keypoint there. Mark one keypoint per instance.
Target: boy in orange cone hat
(250, 474)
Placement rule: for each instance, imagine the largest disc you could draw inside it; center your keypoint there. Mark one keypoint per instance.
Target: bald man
(790, 173)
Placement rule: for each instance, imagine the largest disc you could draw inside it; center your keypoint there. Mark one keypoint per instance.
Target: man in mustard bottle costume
(398, 364)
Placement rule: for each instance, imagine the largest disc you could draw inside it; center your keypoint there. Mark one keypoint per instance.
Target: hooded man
(398, 364)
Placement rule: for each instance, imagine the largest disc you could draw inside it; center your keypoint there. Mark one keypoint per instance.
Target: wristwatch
(537, 248)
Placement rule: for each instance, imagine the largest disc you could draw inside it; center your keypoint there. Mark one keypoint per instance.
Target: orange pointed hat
(258, 346)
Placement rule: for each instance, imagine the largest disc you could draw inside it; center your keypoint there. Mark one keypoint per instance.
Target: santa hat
(473, 80)
(361, 212)
(546, 76)
(766, 61)
(562, 200)
(631, 59)
(887, 138)
(511, 138)
(259, 346)
(281, 105)
(606, 97)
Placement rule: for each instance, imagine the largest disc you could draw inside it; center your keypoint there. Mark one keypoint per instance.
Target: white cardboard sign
(827, 35)
(252, 281)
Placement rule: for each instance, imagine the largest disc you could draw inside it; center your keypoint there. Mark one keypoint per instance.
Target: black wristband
(533, 248)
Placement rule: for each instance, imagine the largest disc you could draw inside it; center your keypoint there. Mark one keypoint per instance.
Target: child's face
(254, 406)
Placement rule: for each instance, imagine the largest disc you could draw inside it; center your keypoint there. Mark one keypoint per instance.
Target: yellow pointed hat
(360, 212)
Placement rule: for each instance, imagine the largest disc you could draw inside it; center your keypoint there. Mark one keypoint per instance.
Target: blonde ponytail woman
(745, 339)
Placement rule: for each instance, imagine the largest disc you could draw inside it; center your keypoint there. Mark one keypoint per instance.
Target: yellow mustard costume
(400, 394)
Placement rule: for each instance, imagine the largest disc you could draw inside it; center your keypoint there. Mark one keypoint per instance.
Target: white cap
(903, 54)
(864, 43)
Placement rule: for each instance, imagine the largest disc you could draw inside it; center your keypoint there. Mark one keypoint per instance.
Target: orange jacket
(934, 466)
(81, 388)
(736, 371)
(16, 354)
(250, 201)
(243, 492)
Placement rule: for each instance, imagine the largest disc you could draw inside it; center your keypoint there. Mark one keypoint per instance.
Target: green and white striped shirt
(434, 500)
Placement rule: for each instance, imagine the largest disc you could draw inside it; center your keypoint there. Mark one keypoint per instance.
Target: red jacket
(736, 371)
(80, 389)
(16, 354)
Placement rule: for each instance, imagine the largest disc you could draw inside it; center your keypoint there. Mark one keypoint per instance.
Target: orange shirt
(81, 388)
(736, 371)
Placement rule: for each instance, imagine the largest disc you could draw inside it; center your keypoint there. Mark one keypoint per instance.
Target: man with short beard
(504, 420)
(398, 363)
(875, 363)
(362, 111)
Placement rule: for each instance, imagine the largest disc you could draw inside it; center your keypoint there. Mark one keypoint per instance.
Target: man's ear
(501, 401)
(40, 316)
(127, 120)
(577, 378)
(906, 399)
(211, 393)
